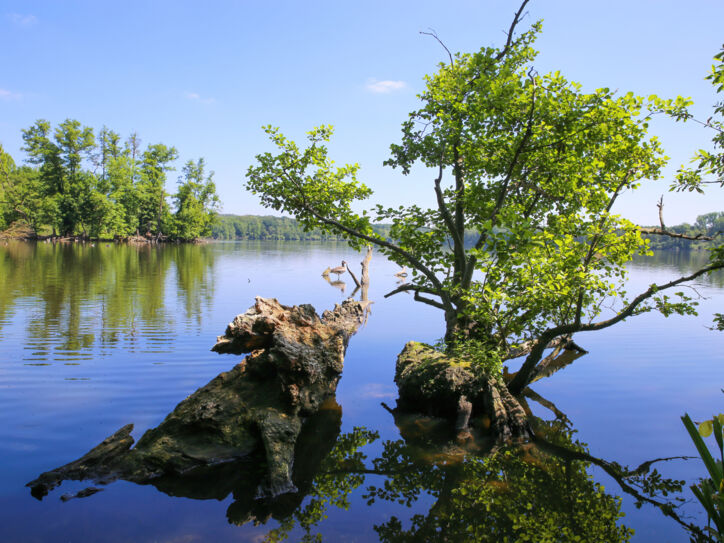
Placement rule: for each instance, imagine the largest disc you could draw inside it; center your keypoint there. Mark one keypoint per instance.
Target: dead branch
(434, 35)
(354, 277)
(660, 205)
(661, 232)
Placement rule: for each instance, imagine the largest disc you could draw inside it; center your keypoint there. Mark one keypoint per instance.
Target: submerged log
(435, 384)
(259, 406)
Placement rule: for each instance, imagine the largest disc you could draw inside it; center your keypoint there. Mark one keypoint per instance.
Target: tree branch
(458, 243)
(514, 162)
(660, 232)
(434, 35)
(522, 378)
(428, 301)
(509, 41)
(409, 288)
(411, 259)
(617, 474)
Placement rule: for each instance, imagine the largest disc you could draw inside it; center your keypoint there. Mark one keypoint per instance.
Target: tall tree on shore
(196, 202)
(153, 209)
(60, 158)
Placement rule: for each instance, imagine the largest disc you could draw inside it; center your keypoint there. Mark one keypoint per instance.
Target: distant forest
(272, 228)
(256, 227)
(77, 183)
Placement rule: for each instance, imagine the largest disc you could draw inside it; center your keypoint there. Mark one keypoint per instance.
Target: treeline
(709, 224)
(77, 183)
(272, 228)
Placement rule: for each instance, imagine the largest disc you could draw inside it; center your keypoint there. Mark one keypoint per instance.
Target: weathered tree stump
(294, 364)
(432, 383)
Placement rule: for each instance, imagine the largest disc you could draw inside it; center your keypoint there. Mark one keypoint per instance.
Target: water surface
(95, 337)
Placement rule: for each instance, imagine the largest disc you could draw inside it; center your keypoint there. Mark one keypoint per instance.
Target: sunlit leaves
(307, 184)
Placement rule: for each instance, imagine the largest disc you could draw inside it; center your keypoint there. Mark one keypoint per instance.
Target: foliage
(78, 184)
(708, 163)
(532, 164)
(196, 202)
(709, 492)
(268, 227)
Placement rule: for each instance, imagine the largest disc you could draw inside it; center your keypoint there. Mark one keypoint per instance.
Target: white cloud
(377, 391)
(9, 95)
(385, 87)
(198, 98)
(22, 20)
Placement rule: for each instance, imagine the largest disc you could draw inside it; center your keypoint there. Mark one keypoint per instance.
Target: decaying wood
(258, 408)
(434, 384)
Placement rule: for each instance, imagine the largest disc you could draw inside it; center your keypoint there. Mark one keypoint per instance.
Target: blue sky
(204, 77)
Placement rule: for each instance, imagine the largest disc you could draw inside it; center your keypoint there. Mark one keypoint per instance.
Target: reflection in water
(243, 478)
(338, 284)
(682, 262)
(80, 297)
(132, 298)
(537, 491)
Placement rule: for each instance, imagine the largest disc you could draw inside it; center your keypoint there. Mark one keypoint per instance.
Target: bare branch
(509, 41)
(434, 35)
(521, 378)
(660, 205)
(428, 301)
(660, 232)
(354, 277)
(407, 287)
(458, 243)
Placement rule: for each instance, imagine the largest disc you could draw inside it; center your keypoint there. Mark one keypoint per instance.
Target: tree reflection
(538, 491)
(88, 295)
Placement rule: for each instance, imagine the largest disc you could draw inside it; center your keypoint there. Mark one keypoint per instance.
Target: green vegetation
(533, 164)
(77, 184)
(709, 491)
(257, 227)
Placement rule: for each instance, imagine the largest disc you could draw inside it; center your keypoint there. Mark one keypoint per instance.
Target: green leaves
(526, 169)
(710, 492)
(307, 184)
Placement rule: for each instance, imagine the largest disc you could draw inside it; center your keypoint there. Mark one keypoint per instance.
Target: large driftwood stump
(295, 361)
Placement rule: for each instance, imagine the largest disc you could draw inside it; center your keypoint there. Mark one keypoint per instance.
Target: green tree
(20, 193)
(196, 202)
(529, 162)
(64, 182)
(153, 210)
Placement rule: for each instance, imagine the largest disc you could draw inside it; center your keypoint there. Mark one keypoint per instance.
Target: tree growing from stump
(523, 249)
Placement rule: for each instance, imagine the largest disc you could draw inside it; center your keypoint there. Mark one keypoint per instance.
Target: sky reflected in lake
(95, 337)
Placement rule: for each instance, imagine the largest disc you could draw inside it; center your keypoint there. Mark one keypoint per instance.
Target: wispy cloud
(377, 391)
(384, 87)
(9, 95)
(195, 96)
(22, 20)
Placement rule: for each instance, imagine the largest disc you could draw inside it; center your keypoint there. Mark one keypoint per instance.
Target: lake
(94, 337)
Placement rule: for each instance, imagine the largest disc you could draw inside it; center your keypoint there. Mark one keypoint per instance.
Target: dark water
(95, 337)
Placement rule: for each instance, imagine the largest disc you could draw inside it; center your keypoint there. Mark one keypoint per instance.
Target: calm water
(92, 338)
